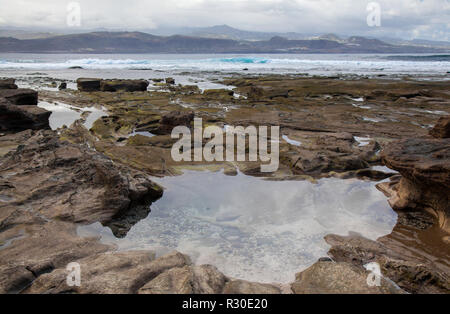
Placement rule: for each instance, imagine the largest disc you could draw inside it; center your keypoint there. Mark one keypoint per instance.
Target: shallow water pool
(251, 228)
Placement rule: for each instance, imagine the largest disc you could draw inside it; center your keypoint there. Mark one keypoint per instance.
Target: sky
(408, 19)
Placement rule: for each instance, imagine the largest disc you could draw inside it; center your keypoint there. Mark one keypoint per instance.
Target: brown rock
(442, 128)
(123, 85)
(88, 84)
(18, 118)
(170, 81)
(425, 168)
(40, 249)
(8, 84)
(246, 287)
(412, 271)
(20, 96)
(205, 279)
(110, 272)
(338, 278)
(173, 119)
(69, 182)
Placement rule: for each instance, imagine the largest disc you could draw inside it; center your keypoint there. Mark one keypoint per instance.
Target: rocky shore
(52, 181)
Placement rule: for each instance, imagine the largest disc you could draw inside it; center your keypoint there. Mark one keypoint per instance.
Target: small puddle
(64, 114)
(383, 169)
(5, 198)
(362, 141)
(361, 106)
(255, 229)
(292, 142)
(372, 119)
(143, 133)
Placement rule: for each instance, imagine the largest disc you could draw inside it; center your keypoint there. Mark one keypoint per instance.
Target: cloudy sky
(427, 19)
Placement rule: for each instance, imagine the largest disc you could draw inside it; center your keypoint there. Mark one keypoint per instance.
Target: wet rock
(425, 168)
(8, 84)
(218, 93)
(205, 279)
(338, 278)
(173, 119)
(110, 272)
(170, 81)
(442, 128)
(18, 118)
(43, 248)
(123, 85)
(20, 96)
(88, 84)
(69, 182)
(413, 273)
(246, 287)
(62, 86)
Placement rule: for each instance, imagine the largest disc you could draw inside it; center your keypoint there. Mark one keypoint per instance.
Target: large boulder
(96, 84)
(20, 96)
(59, 180)
(8, 84)
(123, 85)
(442, 128)
(18, 118)
(88, 84)
(412, 270)
(338, 278)
(425, 168)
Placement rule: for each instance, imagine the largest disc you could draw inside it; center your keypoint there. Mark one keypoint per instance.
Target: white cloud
(407, 18)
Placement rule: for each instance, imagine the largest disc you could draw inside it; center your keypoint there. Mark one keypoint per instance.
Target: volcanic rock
(20, 96)
(18, 118)
(442, 128)
(8, 84)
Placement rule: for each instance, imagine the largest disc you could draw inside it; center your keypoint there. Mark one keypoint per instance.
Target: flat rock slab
(338, 278)
(18, 118)
(8, 84)
(20, 96)
(96, 84)
(421, 160)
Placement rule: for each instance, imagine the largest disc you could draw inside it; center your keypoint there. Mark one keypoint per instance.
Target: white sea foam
(314, 64)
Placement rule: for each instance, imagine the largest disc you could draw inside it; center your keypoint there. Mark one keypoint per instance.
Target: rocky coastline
(52, 181)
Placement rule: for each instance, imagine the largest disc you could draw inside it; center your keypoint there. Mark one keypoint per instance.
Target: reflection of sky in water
(256, 229)
(64, 114)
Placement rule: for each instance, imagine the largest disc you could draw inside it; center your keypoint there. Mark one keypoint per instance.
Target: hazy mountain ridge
(139, 42)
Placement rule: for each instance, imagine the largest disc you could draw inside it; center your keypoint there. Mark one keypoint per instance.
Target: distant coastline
(138, 42)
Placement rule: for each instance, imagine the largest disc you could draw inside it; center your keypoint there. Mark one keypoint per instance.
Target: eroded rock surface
(20, 96)
(68, 182)
(18, 118)
(442, 128)
(8, 84)
(425, 168)
(331, 278)
(94, 84)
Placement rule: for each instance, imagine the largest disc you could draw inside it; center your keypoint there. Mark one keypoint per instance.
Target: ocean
(152, 65)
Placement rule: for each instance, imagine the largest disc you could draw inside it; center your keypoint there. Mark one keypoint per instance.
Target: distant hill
(20, 34)
(138, 42)
(228, 32)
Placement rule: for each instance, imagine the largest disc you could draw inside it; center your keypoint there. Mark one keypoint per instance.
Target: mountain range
(216, 39)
